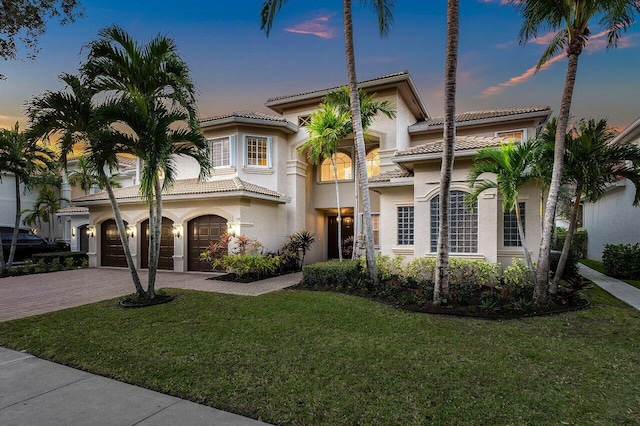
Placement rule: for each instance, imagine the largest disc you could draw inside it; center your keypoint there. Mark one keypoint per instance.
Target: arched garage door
(112, 253)
(166, 245)
(201, 231)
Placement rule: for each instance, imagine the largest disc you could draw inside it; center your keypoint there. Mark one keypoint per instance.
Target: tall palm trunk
(441, 288)
(16, 226)
(123, 237)
(361, 153)
(523, 240)
(562, 262)
(155, 235)
(542, 279)
(335, 174)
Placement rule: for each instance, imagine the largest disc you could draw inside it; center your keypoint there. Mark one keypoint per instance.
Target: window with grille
(516, 135)
(220, 152)
(257, 151)
(373, 162)
(511, 236)
(405, 225)
(375, 224)
(343, 167)
(463, 224)
(304, 120)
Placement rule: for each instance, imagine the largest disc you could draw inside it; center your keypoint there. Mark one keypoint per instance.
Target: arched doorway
(111, 253)
(201, 231)
(166, 245)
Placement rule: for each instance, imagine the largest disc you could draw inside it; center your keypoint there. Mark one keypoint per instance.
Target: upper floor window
(258, 151)
(344, 168)
(221, 152)
(463, 224)
(373, 162)
(511, 235)
(515, 135)
(405, 225)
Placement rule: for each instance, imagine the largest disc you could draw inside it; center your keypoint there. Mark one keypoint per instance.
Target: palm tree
(156, 135)
(572, 20)
(327, 127)
(24, 158)
(144, 78)
(45, 208)
(72, 116)
(441, 285)
(592, 162)
(383, 10)
(83, 176)
(511, 165)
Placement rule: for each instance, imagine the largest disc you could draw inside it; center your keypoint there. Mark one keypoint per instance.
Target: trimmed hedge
(77, 256)
(622, 260)
(328, 274)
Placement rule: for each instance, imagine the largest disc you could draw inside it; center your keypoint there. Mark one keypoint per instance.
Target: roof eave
(195, 196)
(420, 128)
(287, 126)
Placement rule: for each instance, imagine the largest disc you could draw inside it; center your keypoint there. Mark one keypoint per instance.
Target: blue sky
(236, 67)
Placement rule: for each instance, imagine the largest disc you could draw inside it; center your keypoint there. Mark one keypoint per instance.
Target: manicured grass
(598, 266)
(300, 357)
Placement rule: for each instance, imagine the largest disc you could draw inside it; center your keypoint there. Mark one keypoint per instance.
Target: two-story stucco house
(263, 187)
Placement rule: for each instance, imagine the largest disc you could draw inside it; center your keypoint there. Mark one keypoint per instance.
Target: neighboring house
(8, 200)
(613, 219)
(261, 186)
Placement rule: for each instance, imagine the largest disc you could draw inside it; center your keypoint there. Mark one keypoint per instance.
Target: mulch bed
(246, 278)
(141, 303)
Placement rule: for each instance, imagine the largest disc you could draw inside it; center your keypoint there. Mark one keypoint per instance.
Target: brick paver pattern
(29, 295)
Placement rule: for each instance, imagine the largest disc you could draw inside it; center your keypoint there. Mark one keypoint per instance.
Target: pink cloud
(318, 27)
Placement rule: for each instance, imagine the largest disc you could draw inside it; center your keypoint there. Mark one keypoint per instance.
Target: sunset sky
(236, 67)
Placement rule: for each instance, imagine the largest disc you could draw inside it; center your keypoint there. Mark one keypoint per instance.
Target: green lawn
(301, 357)
(598, 266)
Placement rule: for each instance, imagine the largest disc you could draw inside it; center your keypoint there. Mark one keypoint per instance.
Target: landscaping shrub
(622, 260)
(248, 264)
(421, 271)
(473, 271)
(389, 267)
(78, 257)
(331, 274)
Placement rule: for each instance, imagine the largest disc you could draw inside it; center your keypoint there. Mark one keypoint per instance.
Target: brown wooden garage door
(112, 253)
(166, 245)
(201, 231)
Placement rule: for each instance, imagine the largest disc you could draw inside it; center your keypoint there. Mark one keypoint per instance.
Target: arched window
(463, 224)
(343, 165)
(373, 163)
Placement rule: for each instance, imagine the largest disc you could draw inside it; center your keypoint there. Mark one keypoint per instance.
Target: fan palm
(383, 11)
(23, 157)
(572, 20)
(592, 162)
(511, 165)
(327, 127)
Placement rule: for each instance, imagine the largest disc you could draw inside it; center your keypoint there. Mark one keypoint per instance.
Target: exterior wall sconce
(131, 231)
(348, 221)
(91, 231)
(233, 228)
(73, 232)
(177, 231)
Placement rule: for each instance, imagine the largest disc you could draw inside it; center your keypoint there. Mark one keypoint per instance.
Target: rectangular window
(257, 151)
(463, 224)
(516, 135)
(221, 152)
(511, 236)
(375, 224)
(405, 226)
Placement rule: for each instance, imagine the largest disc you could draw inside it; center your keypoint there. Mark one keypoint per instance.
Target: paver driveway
(29, 295)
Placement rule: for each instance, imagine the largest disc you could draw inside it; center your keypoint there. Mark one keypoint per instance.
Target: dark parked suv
(29, 244)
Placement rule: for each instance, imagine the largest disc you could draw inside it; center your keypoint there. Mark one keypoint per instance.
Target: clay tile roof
(246, 114)
(73, 209)
(187, 187)
(126, 162)
(387, 176)
(463, 143)
(485, 114)
(332, 89)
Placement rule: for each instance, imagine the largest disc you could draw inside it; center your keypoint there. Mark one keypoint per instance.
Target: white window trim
(232, 151)
(524, 133)
(246, 151)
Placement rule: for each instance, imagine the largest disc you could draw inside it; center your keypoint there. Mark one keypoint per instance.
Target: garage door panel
(201, 232)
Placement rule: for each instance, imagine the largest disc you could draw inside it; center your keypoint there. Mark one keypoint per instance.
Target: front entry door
(332, 234)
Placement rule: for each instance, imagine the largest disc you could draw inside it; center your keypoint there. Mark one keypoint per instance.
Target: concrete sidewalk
(38, 392)
(619, 289)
